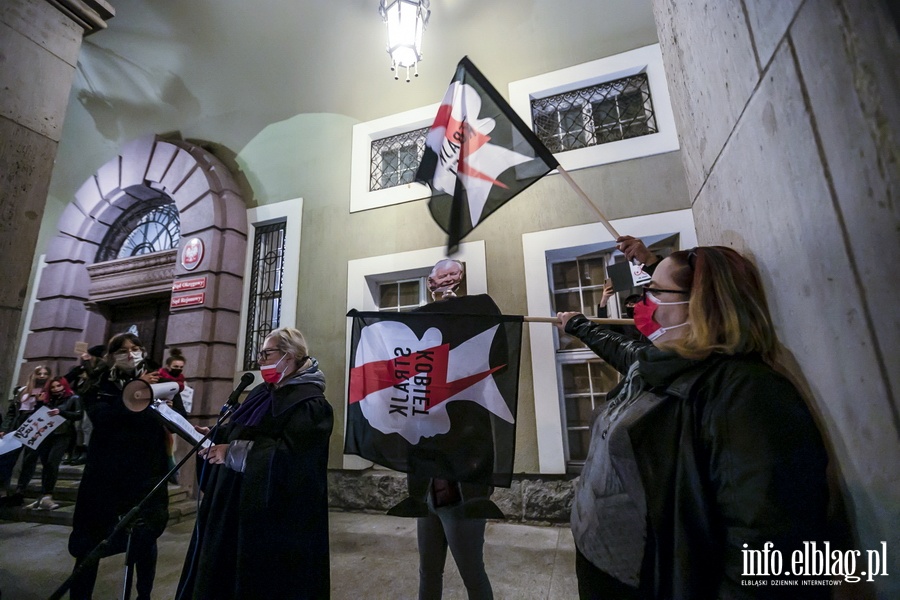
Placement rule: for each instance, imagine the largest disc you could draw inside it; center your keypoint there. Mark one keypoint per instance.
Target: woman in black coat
(703, 453)
(262, 530)
(126, 459)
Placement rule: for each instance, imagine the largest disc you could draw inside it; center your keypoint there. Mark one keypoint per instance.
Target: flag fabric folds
(434, 394)
(478, 154)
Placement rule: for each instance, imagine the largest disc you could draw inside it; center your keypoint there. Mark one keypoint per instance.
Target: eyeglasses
(264, 354)
(654, 290)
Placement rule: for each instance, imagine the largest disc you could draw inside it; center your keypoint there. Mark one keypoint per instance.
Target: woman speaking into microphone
(262, 530)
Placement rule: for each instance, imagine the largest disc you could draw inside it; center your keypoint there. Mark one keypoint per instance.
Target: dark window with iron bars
(599, 114)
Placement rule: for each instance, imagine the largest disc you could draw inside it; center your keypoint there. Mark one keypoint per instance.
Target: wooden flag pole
(612, 230)
(591, 319)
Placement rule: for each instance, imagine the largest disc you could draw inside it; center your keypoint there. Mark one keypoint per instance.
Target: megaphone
(138, 394)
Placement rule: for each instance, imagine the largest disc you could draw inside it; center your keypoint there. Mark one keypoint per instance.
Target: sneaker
(36, 505)
(47, 503)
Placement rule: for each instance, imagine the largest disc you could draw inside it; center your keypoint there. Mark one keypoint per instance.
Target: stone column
(39, 45)
(789, 118)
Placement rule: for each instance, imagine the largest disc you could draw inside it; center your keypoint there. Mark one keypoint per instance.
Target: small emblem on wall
(192, 254)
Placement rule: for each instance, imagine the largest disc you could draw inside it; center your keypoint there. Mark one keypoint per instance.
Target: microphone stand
(125, 523)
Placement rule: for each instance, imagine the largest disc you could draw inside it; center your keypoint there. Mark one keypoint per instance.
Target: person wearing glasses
(262, 529)
(125, 460)
(703, 452)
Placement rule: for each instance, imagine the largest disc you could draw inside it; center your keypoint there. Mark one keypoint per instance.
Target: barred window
(151, 226)
(266, 278)
(395, 159)
(607, 112)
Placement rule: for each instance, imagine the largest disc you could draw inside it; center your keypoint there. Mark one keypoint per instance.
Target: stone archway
(211, 209)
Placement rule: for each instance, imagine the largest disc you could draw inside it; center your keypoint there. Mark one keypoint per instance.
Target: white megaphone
(138, 394)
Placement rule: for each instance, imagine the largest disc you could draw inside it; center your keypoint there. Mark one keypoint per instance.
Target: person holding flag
(433, 393)
(446, 524)
(703, 451)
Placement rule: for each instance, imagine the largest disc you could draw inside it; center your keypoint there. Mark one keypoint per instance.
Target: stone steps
(181, 507)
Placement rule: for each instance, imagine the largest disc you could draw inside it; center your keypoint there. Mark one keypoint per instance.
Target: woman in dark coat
(703, 453)
(126, 459)
(262, 531)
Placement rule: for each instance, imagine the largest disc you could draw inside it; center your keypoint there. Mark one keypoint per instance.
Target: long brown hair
(728, 310)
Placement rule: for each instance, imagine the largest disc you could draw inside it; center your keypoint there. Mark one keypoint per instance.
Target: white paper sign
(9, 442)
(182, 425)
(38, 427)
(187, 398)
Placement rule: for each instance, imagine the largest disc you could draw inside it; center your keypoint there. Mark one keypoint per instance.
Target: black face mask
(40, 382)
(174, 372)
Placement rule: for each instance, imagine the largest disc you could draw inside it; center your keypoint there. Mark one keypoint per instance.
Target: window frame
(647, 59)
(548, 409)
(291, 212)
(361, 197)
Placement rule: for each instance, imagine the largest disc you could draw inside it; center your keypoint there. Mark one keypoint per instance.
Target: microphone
(246, 379)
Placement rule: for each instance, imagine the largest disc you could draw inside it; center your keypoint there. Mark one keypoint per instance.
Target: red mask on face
(643, 317)
(270, 373)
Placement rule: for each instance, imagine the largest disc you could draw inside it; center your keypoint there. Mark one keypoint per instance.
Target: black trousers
(594, 584)
(51, 453)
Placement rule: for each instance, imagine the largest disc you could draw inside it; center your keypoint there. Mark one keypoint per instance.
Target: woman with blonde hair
(703, 452)
(25, 401)
(262, 529)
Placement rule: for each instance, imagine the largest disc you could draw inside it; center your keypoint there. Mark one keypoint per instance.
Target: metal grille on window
(395, 159)
(151, 226)
(607, 112)
(264, 306)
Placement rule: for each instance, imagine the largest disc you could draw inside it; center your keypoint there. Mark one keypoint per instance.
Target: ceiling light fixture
(406, 21)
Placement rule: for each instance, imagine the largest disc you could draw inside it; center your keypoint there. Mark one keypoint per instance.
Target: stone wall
(530, 499)
(36, 36)
(789, 118)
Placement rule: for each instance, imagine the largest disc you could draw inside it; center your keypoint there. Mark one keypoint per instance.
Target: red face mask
(270, 373)
(643, 317)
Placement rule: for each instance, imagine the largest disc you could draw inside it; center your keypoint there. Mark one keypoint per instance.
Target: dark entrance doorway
(149, 316)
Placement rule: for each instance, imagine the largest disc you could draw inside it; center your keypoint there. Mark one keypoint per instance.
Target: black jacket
(730, 456)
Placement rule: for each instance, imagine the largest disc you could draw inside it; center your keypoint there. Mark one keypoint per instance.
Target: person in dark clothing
(448, 522)
(23, 404)
(59, 398)
(262, 529)
(126, 459)
(79, 377)
(629, 331)
(702, 451)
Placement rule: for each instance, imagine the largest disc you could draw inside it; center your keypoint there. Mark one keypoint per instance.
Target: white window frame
(361, 159)
(647, 59)
(364, 275)
(547, 408)
(291, 213)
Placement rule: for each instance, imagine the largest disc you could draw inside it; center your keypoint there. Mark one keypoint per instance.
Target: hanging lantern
(406, 21)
